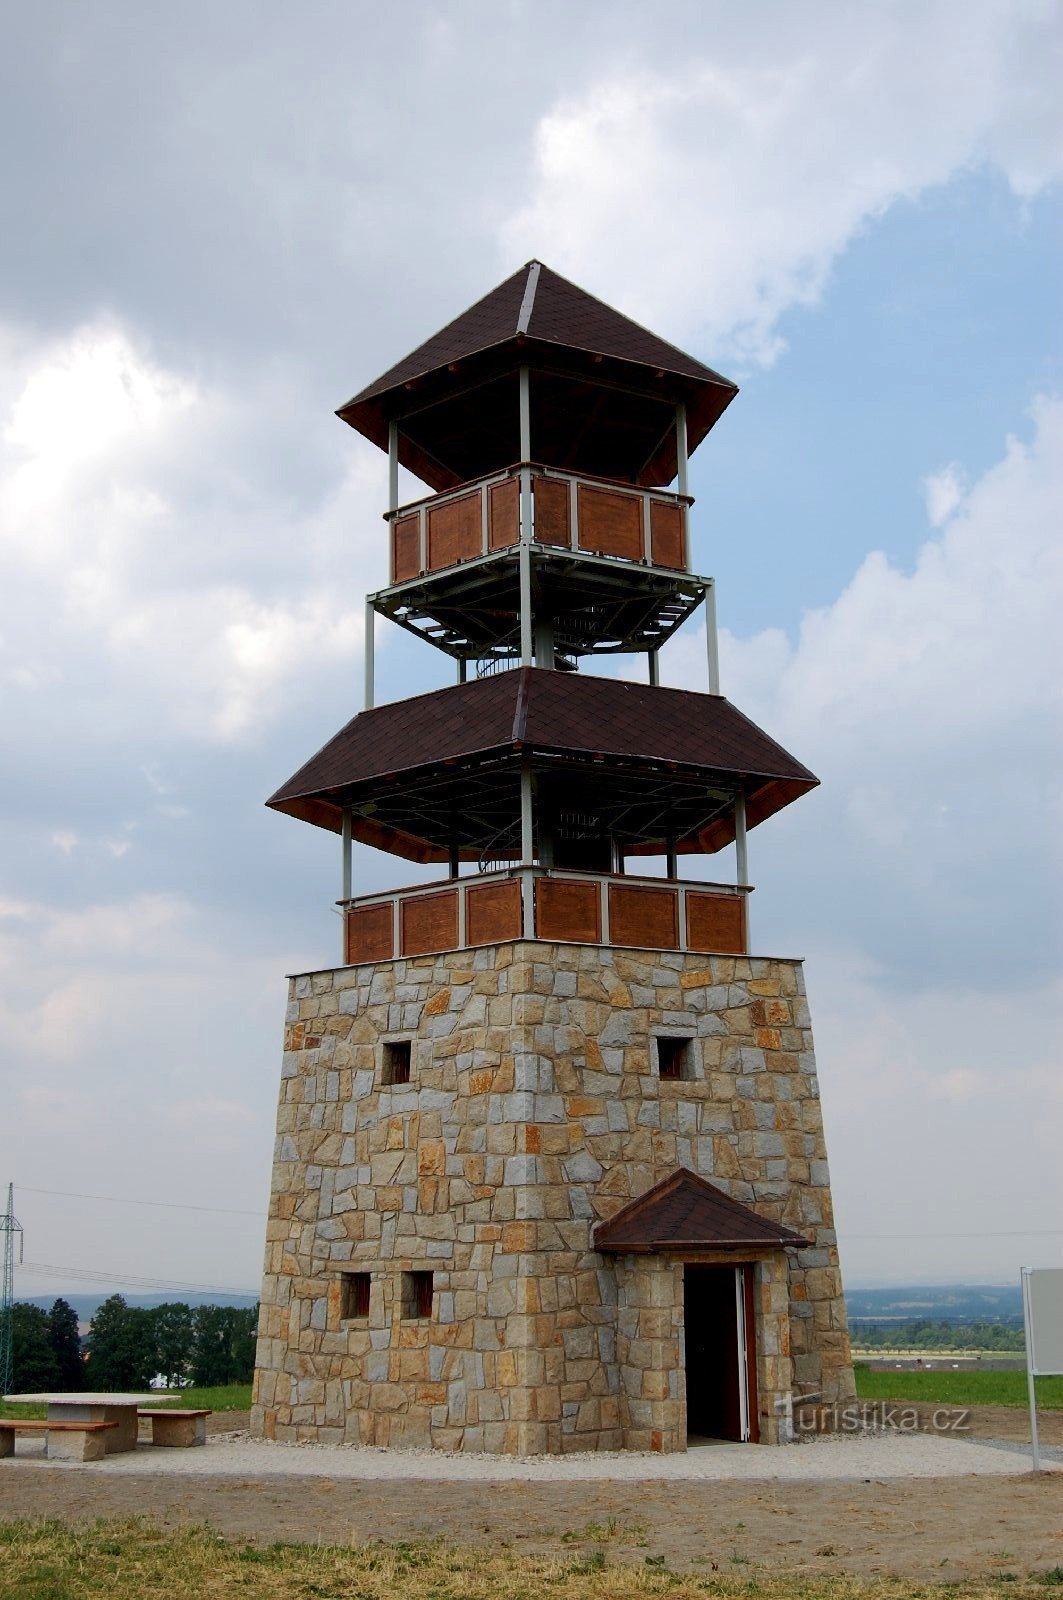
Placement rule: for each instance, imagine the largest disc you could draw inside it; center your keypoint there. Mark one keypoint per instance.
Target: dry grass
(48, 1560)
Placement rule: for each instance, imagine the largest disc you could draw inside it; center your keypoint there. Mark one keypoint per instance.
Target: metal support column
(527, 637)
(524, 561)
(712, 639)
(742, 859)
(463, 669)
(454, 860)
(345, 877)
(741, 854)
(671, 857)
(1031, 1387)
(369, 646)
(681, 449)
(525, 414)
(543, 638)
(393, 466)
(527, 835)
(652, 657)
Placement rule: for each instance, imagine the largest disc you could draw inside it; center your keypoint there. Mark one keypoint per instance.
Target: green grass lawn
(961, 1388)
(233, 1397)
(49, 1560)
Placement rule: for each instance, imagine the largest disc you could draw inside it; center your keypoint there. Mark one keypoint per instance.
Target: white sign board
(1042, 1312)
(1044, 1300)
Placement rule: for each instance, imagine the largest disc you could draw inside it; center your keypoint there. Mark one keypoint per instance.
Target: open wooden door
(721, 1354)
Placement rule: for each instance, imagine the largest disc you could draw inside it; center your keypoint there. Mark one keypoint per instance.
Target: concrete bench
(65, 1441)
(177, 1429)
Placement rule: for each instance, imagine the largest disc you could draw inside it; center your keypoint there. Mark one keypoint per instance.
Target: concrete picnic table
(86, 1407)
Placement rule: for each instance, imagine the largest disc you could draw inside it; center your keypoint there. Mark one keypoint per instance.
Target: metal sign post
(1042, 1316)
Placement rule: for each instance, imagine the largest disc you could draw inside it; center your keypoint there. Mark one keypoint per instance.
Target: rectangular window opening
(675, 1057)
(354, 1295)
(397, 1058)
(417, 1292)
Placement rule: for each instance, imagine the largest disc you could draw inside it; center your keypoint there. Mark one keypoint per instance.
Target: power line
(49, 1269)
(163, 1205)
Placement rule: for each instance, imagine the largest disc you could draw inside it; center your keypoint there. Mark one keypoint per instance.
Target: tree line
(924, 1333)
(128, 1346)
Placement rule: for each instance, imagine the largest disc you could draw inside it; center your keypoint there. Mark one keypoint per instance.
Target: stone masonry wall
(534, 1110)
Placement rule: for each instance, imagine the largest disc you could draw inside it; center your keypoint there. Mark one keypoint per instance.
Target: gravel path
(840, 1458)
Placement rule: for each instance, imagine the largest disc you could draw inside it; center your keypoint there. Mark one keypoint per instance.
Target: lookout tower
(550, 1171)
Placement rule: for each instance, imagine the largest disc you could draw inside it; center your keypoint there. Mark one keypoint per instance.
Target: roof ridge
(528, 303)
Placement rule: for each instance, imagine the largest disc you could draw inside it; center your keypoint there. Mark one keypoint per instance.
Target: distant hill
(955, 1303)
(86, 1305)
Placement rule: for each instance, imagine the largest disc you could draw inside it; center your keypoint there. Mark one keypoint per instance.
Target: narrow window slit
(355, 1289)
(674, 1057)
(397, 1061)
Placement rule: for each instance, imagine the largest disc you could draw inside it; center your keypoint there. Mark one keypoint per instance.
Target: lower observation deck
(549, 904)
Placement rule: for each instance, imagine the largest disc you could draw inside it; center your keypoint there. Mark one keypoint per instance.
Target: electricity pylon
(9, 1226)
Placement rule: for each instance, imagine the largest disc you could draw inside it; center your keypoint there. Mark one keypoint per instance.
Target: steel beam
(712, 639)
(681, 449)
(369, 650)
(393, 466)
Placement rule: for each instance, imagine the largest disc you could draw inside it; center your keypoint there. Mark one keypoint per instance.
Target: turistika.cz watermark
(865, 1416)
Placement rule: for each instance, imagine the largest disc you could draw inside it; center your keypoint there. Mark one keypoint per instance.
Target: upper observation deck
(607, 564)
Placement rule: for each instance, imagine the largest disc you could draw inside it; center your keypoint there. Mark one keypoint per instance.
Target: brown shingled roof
(540, 319)
(686, 1212)
(554, 310)
(599, 721)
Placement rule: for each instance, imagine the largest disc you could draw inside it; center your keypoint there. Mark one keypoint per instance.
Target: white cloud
(714, 193)
(943, 491)
(930, 704)
(194, 593)
(926, 870)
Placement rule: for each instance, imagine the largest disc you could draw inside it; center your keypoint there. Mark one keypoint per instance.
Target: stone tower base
(430, 1273)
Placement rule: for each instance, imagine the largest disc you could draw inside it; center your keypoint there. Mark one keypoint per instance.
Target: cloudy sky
(219, 222)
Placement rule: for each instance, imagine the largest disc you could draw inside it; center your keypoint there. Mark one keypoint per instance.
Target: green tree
(224, 1348)
(245, 1332)
(66, 1345)
(34, 1365)
(173, 1331)
(122, 1354)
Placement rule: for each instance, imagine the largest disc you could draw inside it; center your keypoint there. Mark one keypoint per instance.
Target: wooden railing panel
(492, 912)
(370, 933)
(568, 910)
(429, 922)
(454, 531)
(716, 922)
(503, 514)
(405, 549)
(644, 916)
(667, 535)
(610, 523)
(551, 498)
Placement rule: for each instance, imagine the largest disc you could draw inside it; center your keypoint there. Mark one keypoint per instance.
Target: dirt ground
(944, 1528)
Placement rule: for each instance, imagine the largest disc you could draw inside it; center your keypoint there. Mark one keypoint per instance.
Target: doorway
(721, 1357)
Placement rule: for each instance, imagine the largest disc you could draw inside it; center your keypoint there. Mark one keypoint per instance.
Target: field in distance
(965, 1387)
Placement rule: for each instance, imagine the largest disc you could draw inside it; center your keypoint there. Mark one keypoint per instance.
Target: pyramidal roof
(537, 303)
(686, 1212)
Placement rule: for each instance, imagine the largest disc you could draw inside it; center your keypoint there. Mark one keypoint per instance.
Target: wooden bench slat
(35, 1425)
(165, 1411)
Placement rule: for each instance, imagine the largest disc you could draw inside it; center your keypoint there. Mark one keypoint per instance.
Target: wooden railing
(595, 516)
(542, 903)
